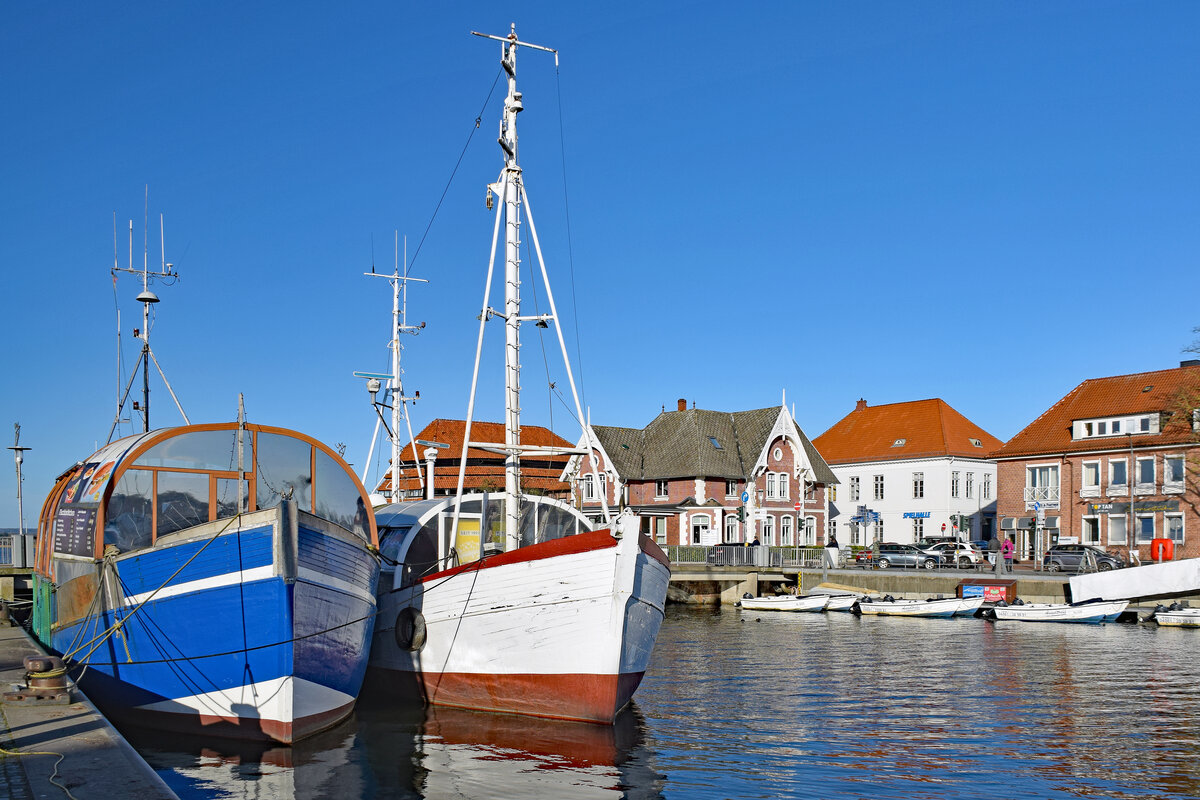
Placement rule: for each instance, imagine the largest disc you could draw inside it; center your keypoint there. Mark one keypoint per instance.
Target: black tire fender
(410, 629)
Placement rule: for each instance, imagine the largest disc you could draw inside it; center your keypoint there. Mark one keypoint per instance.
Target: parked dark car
(889, 554)
(1069, 556)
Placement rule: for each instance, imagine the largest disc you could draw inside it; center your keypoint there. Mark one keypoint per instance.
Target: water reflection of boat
(439, 752)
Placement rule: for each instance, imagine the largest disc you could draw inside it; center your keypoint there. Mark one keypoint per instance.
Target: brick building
(1077, 461)
(485, 469)
(696, 476)
(920, 465)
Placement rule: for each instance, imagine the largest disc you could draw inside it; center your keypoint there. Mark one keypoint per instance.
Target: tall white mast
(511, 189)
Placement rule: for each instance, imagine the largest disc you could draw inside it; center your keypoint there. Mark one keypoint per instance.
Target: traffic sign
(745, 497)
(798, 505)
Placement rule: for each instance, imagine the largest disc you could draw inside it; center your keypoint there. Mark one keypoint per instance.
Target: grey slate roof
(676, 445)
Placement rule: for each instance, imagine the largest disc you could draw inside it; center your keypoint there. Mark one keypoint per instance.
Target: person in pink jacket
(1006, 549)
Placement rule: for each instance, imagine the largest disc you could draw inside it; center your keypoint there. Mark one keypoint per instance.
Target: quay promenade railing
(740, 556)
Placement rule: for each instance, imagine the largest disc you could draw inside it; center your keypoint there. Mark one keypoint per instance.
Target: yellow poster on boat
(466, 542)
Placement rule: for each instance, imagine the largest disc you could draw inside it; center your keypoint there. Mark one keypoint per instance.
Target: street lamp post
(1132, 519)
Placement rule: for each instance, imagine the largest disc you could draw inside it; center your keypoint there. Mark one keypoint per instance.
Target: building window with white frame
(970, 485)
(918, 485)
(769, 529)
(1118, 478)
(878, 487)
(1145, 476)
(770, 485)
(831, 530)
(731, 488)
(1091, 530)
(855, 534)
(810, 531)
(783, 486)
(1173, 467)
(731, 528)
(660, 489)
(855, 489)
(587, 487)
(1090, 487)
(954, 484)
(1041, 483)
(879, 529)
(785, 530)
(918, 528)
(1145, 528)
(987, 487)
(1174, 527)
(1117, 525)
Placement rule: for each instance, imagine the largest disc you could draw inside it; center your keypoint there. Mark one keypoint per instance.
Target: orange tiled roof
(929, 428)
(1140, 393)
(538, 473)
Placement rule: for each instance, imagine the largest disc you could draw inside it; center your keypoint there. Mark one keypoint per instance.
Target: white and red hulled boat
(515, 605)
(562, 626)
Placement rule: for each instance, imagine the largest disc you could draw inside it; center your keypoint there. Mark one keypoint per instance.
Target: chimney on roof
(1191, 362)
(682, 404)
(862, 404)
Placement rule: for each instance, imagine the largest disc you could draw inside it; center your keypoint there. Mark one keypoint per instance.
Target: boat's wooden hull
(562, 629)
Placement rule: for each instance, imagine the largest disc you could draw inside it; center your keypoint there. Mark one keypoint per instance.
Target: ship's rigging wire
(453, 172)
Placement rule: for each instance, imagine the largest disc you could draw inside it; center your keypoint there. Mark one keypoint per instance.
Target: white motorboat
(515, 605)
(967, 606)
(842, 602)
(900, 607)
(785, 602)
(1090, 612)
(1176, 616)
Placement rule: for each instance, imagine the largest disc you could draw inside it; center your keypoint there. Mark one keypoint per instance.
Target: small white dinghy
(842, 602)
(1177, 616)
(893, 607)
(1091, 612)
(967, 606)
(785, 602)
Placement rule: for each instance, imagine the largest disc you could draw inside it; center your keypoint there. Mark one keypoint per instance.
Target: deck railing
(756, 556)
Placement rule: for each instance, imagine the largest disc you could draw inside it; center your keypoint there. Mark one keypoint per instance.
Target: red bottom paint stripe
(582, 697)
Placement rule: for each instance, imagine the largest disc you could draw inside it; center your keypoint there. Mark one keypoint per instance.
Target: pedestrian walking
(1007, 549)
(994, 552)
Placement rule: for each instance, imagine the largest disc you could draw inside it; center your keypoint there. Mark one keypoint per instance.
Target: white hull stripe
(281, 699)
(249, 576)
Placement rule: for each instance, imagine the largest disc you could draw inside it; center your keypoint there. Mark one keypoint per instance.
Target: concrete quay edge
(97, 761)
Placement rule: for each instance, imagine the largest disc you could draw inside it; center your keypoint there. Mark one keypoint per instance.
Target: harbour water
(765, 705)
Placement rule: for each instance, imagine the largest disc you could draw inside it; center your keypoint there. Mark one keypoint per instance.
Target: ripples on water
(765, 705)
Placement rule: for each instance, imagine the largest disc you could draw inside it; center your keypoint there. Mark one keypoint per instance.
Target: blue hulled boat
(215, 578)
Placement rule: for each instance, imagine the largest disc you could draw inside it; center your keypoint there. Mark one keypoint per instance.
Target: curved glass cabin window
(192, 478)
(130, 513)
(338, 499)
(284, 468)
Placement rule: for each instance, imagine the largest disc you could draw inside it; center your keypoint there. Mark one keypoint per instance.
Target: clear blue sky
(983, 202)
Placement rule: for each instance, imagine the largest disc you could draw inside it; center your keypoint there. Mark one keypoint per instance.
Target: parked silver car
(889, 554)
(1069, 556)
